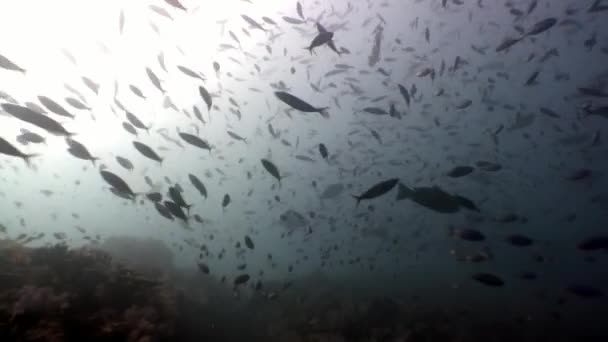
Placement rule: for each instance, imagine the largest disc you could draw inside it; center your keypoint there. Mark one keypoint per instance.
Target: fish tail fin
(93, 160)
(27, 158)
(324, 113)
(358, 198)
(188, 206)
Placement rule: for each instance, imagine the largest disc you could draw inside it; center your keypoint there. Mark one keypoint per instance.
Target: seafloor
(61, 294)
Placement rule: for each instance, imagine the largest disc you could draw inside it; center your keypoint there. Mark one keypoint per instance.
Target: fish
(593, 92)
(519, 240)
(124, 162)
(117, 183)
(129, 128)
(80, 151)
(7, 64)
(137, 91)
(134, 120)
(36, 119)
(94, 87)
(190, 72)
(584, 291)
(154, 196)
(177, 198)
(507, 43)
(254, 23)
(226, 201)
(377, 190)
(292, 20)
(298, 104)
(594, 243)
(241, 279)
(198, 185)
(195, 141)
(203, 267)
(321, 39)
(176, 4)
(121, 21)
(541, 27)
(206, 97)
(30, 137)
(405, 94)
(154, 79)
(236, 136)
(163, 210)
(272, 169)
(299, 10)
(10, 150)
(467, 234)
(54, 107)
(435, 199)
(161, 11)
(147, 151)
(323, 151)
(175, 210)
(249, 242)
(488, 279)
(76, 103)
(460, 171)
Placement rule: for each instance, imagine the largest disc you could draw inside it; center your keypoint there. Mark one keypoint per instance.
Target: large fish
(36, 119)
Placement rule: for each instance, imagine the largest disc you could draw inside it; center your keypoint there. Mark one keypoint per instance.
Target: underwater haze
(395, 170)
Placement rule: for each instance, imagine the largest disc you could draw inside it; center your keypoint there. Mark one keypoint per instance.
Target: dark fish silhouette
(377, 190)
(298, 104)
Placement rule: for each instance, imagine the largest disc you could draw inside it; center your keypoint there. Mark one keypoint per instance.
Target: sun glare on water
(39, 36)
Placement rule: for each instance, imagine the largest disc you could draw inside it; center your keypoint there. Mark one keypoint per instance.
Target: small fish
(467, 234)
(9, 65)
(154, 79)
(134, 120)
(195, 141)
(147, 151)
(594, 243)
(298, 104)
(206, 97)
(254, 23)
(78, 150)
(249, 242)
(241, 279)
(226, 201)
(323, 151)
(272, 169)
(488, 279)
(176, 210)
(405, 94)
(377, 190)
(541, 26)
(117, 183)
(519, 240)
(54, 107)
(10, 150)
(198, 185)
(124, 162)
(460, 171)
(176, 4)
